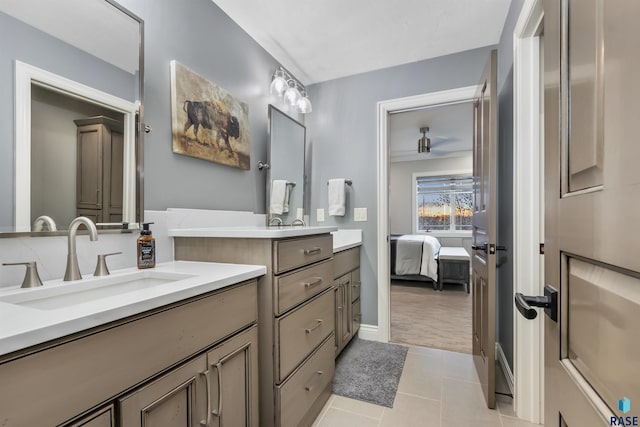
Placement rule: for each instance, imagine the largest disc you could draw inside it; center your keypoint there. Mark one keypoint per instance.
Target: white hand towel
(336, 197)
(285, 203)
(278, 191)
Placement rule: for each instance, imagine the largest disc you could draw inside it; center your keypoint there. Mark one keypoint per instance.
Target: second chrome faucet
(73, 271)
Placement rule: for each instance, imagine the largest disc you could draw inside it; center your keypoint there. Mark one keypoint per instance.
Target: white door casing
(384, 108)
(528, 338)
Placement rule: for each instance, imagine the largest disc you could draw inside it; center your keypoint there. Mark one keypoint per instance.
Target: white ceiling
(327, 39)
(450, 131)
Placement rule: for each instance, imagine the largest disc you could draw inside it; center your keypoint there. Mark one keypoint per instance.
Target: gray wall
(401, 186)
(342, 135)
(19, 41)
(204, 39)
(505, 283)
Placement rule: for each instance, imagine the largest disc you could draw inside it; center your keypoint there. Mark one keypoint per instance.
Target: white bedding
(416, 254)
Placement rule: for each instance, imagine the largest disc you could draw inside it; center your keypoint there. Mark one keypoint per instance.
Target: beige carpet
(428, 318)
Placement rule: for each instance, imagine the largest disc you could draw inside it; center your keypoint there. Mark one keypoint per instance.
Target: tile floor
(437, 389)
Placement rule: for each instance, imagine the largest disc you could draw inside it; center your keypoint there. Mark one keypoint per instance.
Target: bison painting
(208, 114)
(207, 122)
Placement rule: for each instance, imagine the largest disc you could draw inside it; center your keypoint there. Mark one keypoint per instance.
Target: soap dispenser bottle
(146, 247)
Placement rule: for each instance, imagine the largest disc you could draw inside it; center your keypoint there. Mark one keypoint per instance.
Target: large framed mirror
(71, 76)
(286, 174)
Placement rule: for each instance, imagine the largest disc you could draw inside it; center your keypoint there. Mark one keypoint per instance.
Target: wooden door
(483, 261)
(592, 196)
(233, 381)
(177, 399)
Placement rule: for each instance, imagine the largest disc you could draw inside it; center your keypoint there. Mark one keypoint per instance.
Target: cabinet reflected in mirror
(286, 178)
(76, 159)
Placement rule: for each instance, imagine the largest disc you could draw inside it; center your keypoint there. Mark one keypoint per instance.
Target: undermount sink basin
(90, 289)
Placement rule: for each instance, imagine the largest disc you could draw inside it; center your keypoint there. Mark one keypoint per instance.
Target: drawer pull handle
(314, 282)
(357, 317)
(317, 325)
(356, 284)
(312, 251)
(308, 387)
(207, 422)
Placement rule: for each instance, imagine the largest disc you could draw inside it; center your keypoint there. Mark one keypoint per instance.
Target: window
(444, 203)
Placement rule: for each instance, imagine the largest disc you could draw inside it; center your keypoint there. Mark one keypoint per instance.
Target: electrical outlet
(299, 213)
(320, 215)
(360, 214)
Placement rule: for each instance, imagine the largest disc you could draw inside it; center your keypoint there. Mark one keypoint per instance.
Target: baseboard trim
(369, 332)
(502, 360)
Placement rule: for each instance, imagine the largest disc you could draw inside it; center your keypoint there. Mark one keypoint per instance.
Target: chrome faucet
(277, 219)
(44, 220)
(73, 271)
(299, 220)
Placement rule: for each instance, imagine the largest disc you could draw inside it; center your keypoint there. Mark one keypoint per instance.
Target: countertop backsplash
(51, 252)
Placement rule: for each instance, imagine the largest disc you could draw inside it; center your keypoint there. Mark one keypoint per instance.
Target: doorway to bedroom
(430, 220)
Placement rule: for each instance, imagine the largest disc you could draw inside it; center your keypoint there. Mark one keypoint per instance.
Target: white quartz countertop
(24, 325)
(254, 232)
(346, 239)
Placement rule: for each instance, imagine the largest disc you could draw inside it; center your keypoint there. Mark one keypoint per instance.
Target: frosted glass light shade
(278, 85)
(304, 105)
(291, 96)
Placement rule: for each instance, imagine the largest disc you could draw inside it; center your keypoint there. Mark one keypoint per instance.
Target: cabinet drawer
(294, 288)
(345, 261)
(299, 332)
(296, 396)
(101, 418)
(356, 316)
(354, 286)
(290, 254)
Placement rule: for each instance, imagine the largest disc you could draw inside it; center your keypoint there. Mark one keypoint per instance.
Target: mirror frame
(22, 132)
(304, 162)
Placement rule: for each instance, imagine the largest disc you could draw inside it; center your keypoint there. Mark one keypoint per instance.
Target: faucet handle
(31, 277)
(101, 265)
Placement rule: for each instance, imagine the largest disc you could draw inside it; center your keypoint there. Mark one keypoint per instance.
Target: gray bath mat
(369, 371)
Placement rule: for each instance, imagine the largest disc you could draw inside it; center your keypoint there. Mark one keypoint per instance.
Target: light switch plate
(360, 214)
(320, 215)
(299, 213)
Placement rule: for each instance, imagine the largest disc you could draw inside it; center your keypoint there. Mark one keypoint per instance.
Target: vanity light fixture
(293, 92)
(278, 84)
(303, 104)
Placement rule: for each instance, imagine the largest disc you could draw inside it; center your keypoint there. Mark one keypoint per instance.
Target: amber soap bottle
(146, 247)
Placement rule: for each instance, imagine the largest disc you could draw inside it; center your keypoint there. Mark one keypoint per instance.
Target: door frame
(25, 76)
(527, 276)
(384, 109)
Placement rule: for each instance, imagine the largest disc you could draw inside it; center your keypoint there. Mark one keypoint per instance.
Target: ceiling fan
(424, 143)
(427, 145)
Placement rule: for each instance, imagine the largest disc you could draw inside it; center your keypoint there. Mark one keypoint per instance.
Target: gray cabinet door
(233, 381)
(176, 399)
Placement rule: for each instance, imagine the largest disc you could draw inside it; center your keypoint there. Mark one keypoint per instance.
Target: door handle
(482, 248)
(549, 302)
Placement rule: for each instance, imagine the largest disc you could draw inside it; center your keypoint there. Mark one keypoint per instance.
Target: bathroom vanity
(174, 352)
(347, 296)
(296, 312)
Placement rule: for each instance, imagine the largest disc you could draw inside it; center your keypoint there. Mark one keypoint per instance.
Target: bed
(414, 257)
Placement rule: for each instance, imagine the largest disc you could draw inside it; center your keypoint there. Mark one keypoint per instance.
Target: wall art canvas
(207, 122)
